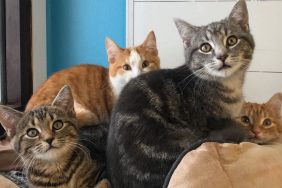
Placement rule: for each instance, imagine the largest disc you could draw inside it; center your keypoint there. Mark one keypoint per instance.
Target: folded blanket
(215, 165)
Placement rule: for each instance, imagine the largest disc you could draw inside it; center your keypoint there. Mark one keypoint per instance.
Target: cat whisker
(191, 75)
(85, 139)
(80, 147)
(30, 162)
(194, 75)
(17, 160)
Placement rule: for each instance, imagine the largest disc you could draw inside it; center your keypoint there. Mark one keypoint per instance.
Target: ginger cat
(96, 88)
(264, 121)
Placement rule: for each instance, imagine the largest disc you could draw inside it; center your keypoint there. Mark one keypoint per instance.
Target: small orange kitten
(96, 88)
(264, 121)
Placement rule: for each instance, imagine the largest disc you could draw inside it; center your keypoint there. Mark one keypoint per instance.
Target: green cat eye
(126, 67)
(57, 125)
(206, 47)
(232, 40)
(145, 64)
(267, 122)
(32, 132)
(245, 119)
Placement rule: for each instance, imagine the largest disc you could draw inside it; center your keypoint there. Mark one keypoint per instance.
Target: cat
(96, 88)
(47, 141)
(263, 121)
(159, 114)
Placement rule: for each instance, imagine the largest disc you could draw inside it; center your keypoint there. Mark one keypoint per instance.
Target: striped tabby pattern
(47, 142)
(263, 121)
(96, 88)
(161, 113)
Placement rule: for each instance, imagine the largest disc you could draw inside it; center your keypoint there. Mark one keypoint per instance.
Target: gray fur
(162, 113)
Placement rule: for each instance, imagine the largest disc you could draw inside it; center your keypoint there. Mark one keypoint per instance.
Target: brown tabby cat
(47, 142)
(95, 88)
(264, 121)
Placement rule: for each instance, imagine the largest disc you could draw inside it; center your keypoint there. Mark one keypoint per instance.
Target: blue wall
(76, 31)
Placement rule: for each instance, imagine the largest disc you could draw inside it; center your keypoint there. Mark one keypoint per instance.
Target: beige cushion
(244, 165)
(6, 183)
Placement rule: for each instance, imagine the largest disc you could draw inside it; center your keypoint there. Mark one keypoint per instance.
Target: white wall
(39, 58)
(265, 74)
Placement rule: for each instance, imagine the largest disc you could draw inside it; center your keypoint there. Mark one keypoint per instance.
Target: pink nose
(252, 134)
(255, 131)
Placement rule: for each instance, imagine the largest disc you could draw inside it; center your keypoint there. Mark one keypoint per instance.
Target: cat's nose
(49, 141)
(251, 134)
(222, 57)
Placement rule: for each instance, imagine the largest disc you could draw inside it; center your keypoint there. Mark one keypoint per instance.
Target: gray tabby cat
(161, 113)
(47, 141)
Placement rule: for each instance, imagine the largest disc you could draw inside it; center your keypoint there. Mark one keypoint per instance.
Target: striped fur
(264, 121)
(53, 155)
(161, 113)
(95, 88)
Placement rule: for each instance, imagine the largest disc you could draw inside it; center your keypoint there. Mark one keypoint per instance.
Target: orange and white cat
(264, 121)
(96, 88)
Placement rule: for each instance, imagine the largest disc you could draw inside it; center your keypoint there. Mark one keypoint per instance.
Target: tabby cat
(264, 121)
(95, 88)
(161, 113)
(47, 141)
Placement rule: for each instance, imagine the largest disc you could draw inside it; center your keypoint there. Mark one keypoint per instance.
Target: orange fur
(95, 88)
(149, 53)
(92, 94)
(264, 121)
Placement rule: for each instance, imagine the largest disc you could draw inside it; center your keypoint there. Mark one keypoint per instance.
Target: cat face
(128, 63)
(264, 121)
(220, 49)
(45, 133)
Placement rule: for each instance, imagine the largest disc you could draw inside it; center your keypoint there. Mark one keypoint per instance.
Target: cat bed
(212, 165)
(216, 165)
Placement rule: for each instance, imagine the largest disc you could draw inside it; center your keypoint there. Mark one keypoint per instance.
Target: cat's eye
(145, 64)
(232, 40)
(206, 47)
(267, 122)
(245, 119)
(126, 67)
(32, 132)
(57, 125)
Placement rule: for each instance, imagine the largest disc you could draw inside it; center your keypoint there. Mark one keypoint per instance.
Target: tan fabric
(6, 183)
(244, 165)
(7, 157)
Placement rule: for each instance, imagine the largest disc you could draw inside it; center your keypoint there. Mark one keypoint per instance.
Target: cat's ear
(64, 100)
(239, 14)
(9, 119)
(113, 50)
(150, 41)
(275, 103)
(186, 31)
